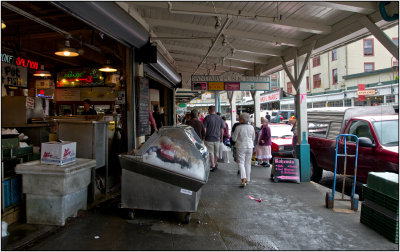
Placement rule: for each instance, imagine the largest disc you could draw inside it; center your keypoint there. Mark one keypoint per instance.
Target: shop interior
(51, 62)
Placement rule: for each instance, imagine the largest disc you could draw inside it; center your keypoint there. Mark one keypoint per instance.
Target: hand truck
(330, 196)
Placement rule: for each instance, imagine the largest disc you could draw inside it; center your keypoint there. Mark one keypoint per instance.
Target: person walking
(197, 125)
(268, 116)
(226, 131)
(263, 149)
(244, 136)
(292, 121)
(214, 127)
(157, 117)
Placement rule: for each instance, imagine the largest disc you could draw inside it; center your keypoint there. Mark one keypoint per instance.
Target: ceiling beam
(202, 10)
(232, 33)
(357, 7)
(247, 58)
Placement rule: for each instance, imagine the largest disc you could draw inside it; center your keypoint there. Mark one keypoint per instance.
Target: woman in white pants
(244, 137)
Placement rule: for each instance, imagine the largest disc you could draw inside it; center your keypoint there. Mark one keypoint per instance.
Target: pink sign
(232, 86)
(200, 86)
(271, 97)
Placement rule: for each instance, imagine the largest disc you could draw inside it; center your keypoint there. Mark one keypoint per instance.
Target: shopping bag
(221, 150)
(225, 156)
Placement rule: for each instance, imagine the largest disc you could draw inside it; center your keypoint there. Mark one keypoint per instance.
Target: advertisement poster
(199, 86)
(231, 86)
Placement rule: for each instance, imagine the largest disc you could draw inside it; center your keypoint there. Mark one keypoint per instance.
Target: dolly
(354, 198)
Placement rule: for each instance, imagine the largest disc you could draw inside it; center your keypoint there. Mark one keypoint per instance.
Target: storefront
(37, 105)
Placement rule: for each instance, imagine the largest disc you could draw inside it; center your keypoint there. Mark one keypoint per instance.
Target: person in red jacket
(263, 149)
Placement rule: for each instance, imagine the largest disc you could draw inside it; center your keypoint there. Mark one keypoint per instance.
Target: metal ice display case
(166, 173)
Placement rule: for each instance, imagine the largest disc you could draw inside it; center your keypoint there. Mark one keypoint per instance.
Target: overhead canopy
(211, 38)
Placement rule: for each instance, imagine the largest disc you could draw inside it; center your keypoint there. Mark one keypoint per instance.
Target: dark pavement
(290, 217)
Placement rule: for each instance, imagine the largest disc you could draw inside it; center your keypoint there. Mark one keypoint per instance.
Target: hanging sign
(230, 81)
(286, 169)
(80, 78)
(199, 86)
(361, 87)
(232, 86)
(216, 86)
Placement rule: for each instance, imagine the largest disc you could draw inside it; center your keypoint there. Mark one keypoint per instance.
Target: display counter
(166, 173)
(53, 192)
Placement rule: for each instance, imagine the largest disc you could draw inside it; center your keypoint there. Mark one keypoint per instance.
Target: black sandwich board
(286, 169)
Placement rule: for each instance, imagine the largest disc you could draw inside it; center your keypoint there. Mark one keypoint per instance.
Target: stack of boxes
(380, 209)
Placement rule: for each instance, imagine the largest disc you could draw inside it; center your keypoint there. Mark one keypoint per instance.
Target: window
(360, 129)
(316, 61)
(308, 83)
(334, 54)
(369, 66)
(334, 76)
(368, 47)
(289, 87)
(316, 81)
(347, 103)
(396, 41)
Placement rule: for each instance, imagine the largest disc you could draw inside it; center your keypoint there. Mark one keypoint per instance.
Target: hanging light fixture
(42, 72)
(3, 25)
(107, 67)
(67, 51)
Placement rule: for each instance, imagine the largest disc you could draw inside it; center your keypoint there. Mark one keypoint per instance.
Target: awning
(111, 19)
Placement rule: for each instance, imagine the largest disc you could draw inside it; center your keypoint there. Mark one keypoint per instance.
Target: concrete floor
(290, 217)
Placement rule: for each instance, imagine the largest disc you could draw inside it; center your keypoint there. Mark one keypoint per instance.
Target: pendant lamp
(3, 25)
(42, 72)
(108, 68)
(67, 51)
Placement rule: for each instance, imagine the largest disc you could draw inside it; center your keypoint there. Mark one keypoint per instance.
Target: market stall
(166, 173)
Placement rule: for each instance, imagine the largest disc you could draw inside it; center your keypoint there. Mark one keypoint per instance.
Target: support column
(217, 102)
(232, 102)
(174, 107)
(257, 113)
(302, 146)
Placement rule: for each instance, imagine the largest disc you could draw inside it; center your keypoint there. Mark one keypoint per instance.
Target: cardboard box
(58, 153)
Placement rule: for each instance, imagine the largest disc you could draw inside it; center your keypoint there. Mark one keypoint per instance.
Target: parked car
(281, 137)
(377, 130)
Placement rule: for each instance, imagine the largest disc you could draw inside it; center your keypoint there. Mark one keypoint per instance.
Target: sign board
(286, 169)
(366, 92)
(361, 87)
(14, 75)
(273, 96)
(230, 81)
(143, 107)
(216, 86)
(80, 78)
(199, 86)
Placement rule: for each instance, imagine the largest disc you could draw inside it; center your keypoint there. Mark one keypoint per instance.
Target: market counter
(53, 192)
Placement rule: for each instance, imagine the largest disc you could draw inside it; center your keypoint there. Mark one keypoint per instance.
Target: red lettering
(34, 65)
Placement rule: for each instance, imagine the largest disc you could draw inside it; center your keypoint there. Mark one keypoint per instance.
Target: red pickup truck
(377, 129)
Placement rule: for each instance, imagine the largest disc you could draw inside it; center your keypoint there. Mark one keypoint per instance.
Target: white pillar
(217, 101)
(232, 102)
(257, 113)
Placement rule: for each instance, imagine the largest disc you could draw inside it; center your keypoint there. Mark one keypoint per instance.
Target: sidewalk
(290, 217)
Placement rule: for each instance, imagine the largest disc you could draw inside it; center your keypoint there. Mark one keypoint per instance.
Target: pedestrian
(233, 143)
(226, 131)
(268, 116)
(197, 125)
(292, 121)
(244, 136)
(188, 117)
(157, 117)
(214, 126)
(152, 122)
(263, 149)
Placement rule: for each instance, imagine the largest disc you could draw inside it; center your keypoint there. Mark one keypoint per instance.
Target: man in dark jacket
(197, 125)
(87, 110)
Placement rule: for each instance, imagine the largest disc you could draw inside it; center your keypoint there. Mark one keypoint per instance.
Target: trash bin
(166, 173)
